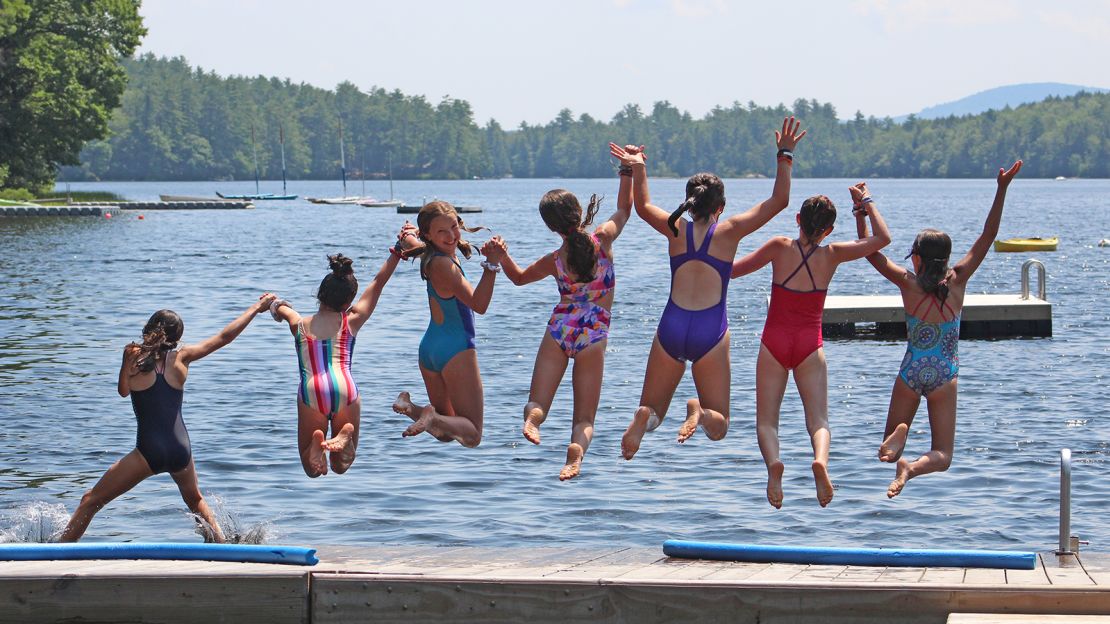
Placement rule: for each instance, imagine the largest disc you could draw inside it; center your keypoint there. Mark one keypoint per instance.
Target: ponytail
(562, 214)
(705, 194)
(160, 336)
(933, 248)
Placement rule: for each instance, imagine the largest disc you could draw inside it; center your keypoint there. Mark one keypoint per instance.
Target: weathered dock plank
(588, 584)
(983, 315)
(1015, 618)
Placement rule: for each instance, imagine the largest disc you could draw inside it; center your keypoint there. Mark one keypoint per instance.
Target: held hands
(408, 239)
(629, 155)
(861, 197)
(494, 249)
(1006, 175)
(264, 302)
(788, 137)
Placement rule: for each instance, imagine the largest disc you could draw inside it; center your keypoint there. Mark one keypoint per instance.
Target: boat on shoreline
(263, 196)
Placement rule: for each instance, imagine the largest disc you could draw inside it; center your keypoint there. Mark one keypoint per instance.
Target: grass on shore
(61, 199)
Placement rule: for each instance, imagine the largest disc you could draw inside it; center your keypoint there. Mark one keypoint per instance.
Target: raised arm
(967, 266)
(128, 368)
(451, 280)
(611, 229)
(535, 272)
(655, 216)
(755, 217)
(864, 206)
(192, 353)
(759, 258)
(896, 274)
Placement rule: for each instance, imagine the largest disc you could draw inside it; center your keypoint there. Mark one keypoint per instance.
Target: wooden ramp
(983, 316)
(590, 584)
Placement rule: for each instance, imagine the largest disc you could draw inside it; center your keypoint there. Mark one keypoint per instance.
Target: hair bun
(341, 265)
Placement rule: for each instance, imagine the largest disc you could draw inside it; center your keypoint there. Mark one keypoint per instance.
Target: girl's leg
(437, 397)
(713, 380)
(463, 383)
(770, 386)
(311, 426)
(589, 368)
(942, 424)
(342, 447)
(903, 407)
(660, 380)
(551, 363)
(812, 379)
(123, 475)
(186, 480)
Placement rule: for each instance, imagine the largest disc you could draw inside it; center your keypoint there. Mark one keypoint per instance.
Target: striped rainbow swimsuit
(326, 381)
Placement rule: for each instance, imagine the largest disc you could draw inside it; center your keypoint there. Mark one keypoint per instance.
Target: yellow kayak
(1026, 244)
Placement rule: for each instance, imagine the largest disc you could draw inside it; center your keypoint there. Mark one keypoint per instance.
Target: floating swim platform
(245, 553)
(816, 555)
(1026, 244)
(416, 209)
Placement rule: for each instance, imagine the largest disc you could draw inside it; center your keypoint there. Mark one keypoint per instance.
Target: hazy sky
(525, 60)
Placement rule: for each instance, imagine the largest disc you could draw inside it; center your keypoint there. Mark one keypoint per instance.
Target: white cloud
(905, 15)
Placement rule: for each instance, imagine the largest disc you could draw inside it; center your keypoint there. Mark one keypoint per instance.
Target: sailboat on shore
(257, 191)
(345, 199)
(370, 202)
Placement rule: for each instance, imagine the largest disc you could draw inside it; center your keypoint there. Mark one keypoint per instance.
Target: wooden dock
(86, 210)
(589, 584)
(983, 316)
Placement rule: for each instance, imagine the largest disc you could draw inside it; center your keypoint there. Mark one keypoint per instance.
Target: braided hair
(705, 194)
(562, 213)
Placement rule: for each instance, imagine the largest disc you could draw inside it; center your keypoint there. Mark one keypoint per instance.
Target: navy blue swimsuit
(162, 439)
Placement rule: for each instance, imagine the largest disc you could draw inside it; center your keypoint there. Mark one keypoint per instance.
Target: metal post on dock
(1066, 547)
(1041, 280)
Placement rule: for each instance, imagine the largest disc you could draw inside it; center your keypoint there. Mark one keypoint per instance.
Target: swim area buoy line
(851, 556)
(241, 553)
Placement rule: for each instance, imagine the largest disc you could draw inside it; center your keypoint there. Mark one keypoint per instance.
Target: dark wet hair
(563, 215)
(817, 215)
(160, 336)
(337, 289)
(933, 247)
(705, 194)
(424, 219)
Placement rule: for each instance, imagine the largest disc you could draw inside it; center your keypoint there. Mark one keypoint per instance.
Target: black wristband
(785, 152)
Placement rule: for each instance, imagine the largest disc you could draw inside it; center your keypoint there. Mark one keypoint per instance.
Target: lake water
(73, 291)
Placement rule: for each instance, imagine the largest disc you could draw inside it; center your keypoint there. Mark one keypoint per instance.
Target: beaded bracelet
(625, 170)
(275, 305)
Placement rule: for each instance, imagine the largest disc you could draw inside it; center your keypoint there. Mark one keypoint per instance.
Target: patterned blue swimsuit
(932, 353)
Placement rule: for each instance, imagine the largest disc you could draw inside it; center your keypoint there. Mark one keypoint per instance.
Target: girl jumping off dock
(153, 374)
(325, 342)
(579, 327)
(694, 325)
(933, 298)
(448, 360)
(792, 333)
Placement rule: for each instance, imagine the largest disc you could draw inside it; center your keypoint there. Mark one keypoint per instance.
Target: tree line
(177, 122)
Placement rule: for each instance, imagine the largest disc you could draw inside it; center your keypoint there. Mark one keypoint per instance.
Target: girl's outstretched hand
(628, 155)
(408, 238)
(264, 302)
(788, 137)
(1006, 175)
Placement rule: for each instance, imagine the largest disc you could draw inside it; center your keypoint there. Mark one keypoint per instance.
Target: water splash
(33, 523)
(235, 531)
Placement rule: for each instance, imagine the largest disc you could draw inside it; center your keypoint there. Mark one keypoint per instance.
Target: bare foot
(824, 484)
(630, 442)
(403, 404)
(900, 477)
(532, 421)
(421, 425)
(774, 484)
(891, 449)
(343, 443)
(316, 459)
(574, 462)
(693, 417)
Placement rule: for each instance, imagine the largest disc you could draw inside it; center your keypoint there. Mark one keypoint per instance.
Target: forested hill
(180, 123)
